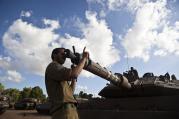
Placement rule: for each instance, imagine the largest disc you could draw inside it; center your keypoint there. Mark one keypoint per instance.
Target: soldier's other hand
(85, 54)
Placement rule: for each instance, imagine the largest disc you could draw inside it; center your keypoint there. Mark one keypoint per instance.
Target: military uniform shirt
(58, 89)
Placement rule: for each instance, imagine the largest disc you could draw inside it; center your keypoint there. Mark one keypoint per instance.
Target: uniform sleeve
(61, 73)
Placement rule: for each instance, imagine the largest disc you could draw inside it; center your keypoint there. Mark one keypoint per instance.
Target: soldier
(167, 76)
(59, 90)
(134, 73)
(173, 77)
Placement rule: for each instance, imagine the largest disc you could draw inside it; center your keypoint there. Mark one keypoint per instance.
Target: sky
(118, 34)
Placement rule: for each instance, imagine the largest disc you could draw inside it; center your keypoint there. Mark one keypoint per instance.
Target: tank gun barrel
(95, 68)
(118, 79)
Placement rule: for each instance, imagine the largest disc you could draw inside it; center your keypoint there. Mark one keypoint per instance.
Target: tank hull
(165, 107)
(138, 114)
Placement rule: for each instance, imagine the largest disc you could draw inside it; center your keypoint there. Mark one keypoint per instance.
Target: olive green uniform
(60, 92)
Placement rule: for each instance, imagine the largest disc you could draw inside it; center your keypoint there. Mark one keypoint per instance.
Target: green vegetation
(25, 93)
(12, 93)
(16, 95)
(84, 95)
(37, 93)
(1, 87)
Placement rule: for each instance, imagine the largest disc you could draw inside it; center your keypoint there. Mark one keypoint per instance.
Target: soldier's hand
(85, 54)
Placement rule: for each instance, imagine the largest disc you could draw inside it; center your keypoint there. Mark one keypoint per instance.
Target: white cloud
(151, 32)
(14, 76)
(96, 1)
(100, 41)
(31, 46)
(53, 24)
(144, 35)
(160, 53)
(102, 14)
(26, 13)
(81, 88)
(168, 40)
(5, 62)
(131, 5)
(117, 5)
(134, 5)
(11, 75)
(95, 32)
(8, 71)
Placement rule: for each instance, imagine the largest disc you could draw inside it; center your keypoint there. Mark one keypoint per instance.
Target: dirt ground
(95, 114)
(23, 114)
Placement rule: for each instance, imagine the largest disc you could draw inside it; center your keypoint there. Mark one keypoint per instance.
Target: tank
(147, 86)
(43, 108)
(150, 97)
(4, 103)
(26, 104)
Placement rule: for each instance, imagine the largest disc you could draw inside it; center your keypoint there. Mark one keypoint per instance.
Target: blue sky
(117, 33)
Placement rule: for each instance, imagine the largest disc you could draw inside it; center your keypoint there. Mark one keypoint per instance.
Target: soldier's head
(58, 54)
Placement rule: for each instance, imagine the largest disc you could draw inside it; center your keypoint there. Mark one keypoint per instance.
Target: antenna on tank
(127, 62)
(73, 49)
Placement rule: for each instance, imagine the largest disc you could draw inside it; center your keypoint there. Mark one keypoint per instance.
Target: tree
(43, 99)
(12, 93)
(25, 93)
(85, 95)
(90, 96)
(1, 88)
(81, 94)
(37, 93)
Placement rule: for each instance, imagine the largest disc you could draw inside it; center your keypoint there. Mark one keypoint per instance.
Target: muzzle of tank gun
(121, 80)
(116, 79)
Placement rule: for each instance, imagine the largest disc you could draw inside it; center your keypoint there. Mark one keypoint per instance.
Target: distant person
(59, 90)
(134, 73)
(173, 77)
(167, 76)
